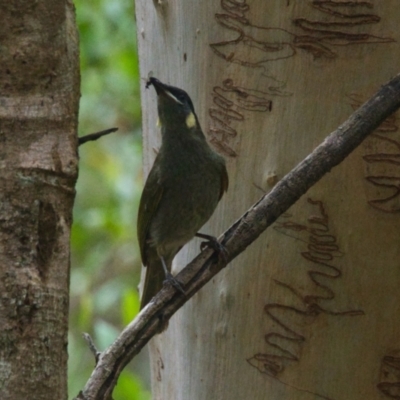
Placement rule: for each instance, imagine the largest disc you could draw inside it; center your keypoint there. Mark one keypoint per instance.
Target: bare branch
(92, 346)
(95, 136)
(335, 148)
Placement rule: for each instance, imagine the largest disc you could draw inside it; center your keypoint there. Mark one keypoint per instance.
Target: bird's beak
(162, 89)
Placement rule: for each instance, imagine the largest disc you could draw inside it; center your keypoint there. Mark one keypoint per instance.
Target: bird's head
(175, 108)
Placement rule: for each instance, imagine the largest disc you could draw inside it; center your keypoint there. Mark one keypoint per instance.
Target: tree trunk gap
(311, 311)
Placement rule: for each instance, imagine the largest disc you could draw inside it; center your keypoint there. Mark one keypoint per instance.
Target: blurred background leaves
(105, 258)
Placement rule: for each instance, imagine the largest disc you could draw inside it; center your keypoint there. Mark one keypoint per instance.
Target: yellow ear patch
(158, 122)
(191, 120)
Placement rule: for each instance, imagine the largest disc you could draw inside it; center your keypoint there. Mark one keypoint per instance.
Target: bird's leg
(212, 243)
(170, 278)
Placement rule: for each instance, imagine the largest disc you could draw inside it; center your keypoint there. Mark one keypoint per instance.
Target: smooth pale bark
(311, 310)
(39, 97)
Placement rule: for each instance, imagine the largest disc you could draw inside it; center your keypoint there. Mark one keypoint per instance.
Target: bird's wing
(149, 202)
(224, 181)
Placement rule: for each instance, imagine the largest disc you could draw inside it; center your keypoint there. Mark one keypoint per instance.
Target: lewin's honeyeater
(182, 189)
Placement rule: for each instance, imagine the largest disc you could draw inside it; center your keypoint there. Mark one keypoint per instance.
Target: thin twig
(335, 148)
(95, 135)
(92, 346)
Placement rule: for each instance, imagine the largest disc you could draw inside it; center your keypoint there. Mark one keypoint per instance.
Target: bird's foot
(169, 278)
(212, 243)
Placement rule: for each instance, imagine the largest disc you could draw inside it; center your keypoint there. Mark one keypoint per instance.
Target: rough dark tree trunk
(39, 96)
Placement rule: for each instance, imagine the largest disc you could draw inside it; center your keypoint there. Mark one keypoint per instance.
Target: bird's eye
(181, 98)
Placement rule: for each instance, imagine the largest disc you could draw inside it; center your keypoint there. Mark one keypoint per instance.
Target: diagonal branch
(335, 148)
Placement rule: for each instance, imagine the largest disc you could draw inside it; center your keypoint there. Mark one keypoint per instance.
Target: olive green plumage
(182, 189)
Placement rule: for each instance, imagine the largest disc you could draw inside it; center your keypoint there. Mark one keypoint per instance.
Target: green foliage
(105, 258)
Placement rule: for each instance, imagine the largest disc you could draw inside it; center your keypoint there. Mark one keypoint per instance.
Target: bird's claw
(213, 243)
(169, 278)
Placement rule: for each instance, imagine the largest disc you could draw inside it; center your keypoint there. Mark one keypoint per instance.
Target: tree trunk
(39, 80)
(311, 310)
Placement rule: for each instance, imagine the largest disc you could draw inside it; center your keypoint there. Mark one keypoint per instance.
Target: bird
(182, 190)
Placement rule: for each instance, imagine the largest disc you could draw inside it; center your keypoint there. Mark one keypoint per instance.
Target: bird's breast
(189, 199)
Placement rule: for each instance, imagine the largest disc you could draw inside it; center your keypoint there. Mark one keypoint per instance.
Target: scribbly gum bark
(39, 80)
(311, 311)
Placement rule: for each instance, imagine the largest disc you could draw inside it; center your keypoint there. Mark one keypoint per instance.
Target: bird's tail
(153, 281)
